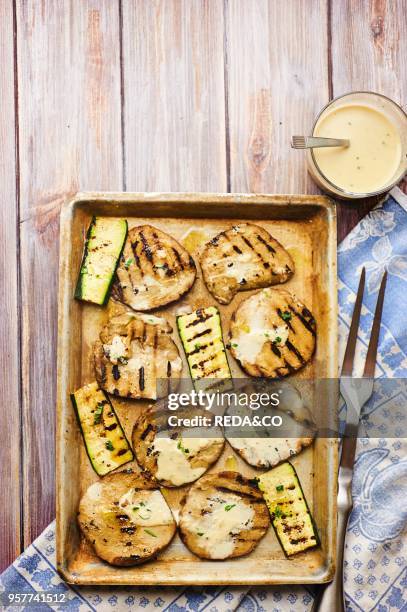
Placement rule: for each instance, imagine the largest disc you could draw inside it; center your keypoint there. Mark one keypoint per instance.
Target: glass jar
(368, 100)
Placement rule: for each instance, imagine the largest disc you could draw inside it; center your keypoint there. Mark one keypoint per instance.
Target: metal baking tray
(306, 226)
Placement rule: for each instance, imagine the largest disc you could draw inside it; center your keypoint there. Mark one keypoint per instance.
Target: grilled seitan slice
(171, 458)
(244, 257)
(268, 452)
(136, 358)
(223, 516)
(154, 269)
(272, 334)
(126, 519)
(120, 315)
(268, 446)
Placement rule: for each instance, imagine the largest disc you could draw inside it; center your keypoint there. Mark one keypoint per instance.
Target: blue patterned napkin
(375, 566)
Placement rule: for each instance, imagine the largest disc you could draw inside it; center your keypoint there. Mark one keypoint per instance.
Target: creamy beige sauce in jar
(374, 154)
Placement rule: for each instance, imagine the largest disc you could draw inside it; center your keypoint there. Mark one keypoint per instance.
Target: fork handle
(330, 598)
(314, 141)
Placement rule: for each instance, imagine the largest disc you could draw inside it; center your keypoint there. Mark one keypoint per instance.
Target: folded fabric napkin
(375, 566)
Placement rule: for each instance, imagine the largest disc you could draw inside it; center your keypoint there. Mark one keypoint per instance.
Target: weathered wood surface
(276, 83)
(149, 95)
(10, 407)
(70, 139)
(368, 53)
(173, 94)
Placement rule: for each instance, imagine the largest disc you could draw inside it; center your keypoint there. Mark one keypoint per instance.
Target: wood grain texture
(368, 47)
(368, 53)
(277, 66)
(9, 320)
(70, 139)
(173, 88)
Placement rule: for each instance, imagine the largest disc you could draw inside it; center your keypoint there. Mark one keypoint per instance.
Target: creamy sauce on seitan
(374, 154)
(265, 451)
(94, 492)
(146, 508)
(217, 529)
(250, 341)
(151, 319)
(115, 350)
(173, 455)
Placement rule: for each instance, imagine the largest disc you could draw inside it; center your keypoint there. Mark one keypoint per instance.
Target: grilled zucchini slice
(290, 515)
(104, 244)
(104, 438)
(201, 335)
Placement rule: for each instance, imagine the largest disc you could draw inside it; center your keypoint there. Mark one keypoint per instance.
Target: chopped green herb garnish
(200, 533)
(277, 340)
(181, 447)
(277, 513)
(109, 445)
(128, 262)
(286, 315)
(280, 488)
(98, 413)
(197, 346)
(229, 507)
(234, 345)
(135, 508)
(151, 533)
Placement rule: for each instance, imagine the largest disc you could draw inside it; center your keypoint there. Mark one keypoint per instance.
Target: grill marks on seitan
(241, 258)
(126, 519)
(136, 359)
(272, 334)
(171, 458)
(154, 269)
(223, 516)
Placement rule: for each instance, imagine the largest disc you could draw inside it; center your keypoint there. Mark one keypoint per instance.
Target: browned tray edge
(282, 200)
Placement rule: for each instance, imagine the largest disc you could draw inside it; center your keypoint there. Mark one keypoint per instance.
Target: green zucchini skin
(112, 233)
(283, 503)
(201, 336)
(112, 449)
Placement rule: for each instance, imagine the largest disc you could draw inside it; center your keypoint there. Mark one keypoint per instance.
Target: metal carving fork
(356, 393)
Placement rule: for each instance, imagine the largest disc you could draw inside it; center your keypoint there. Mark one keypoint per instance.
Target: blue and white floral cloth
(375, 555)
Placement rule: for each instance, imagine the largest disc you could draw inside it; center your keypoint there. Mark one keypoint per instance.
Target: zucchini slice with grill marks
(104, 244)
(105, 441)
(290, 515)
(201, 335)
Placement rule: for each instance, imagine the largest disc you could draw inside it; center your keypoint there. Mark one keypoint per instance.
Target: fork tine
(347, 366)
(370, 364)
(298, 142)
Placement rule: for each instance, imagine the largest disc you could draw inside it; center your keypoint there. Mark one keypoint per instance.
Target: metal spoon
(310, 142)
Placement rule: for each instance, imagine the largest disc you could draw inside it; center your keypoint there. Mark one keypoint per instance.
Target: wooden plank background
(149, 95)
